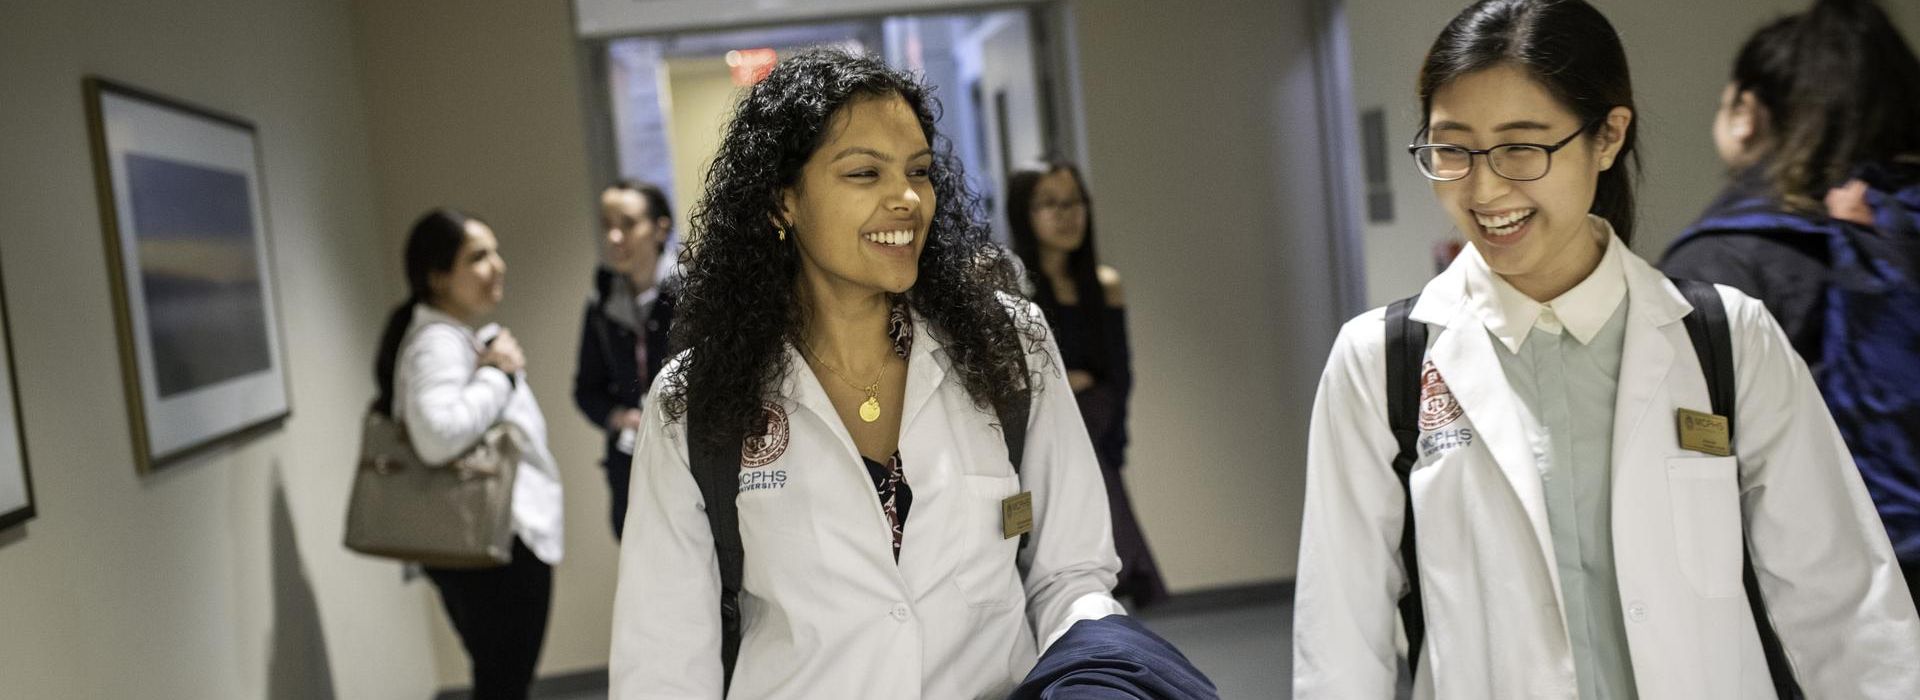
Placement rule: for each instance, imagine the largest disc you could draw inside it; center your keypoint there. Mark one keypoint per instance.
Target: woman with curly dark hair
(904, 500)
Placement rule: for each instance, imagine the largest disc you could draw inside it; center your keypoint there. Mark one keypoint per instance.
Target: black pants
(619, 467)
(501, 615)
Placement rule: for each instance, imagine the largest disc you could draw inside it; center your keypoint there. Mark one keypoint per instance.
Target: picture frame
(183, 209)
(16, 479)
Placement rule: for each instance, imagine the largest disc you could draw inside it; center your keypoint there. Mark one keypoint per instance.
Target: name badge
(1016, 515)
(1704, 432)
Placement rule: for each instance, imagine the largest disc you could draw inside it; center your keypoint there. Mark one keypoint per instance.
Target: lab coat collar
(1582, 310)
(1653, 300)
(926, 369)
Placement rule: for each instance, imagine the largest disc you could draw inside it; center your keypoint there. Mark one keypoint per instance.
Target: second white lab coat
(827, 612)
(1494, 621)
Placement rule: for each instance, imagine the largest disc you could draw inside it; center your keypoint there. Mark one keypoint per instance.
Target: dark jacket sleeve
(1717, 259)
(1786, 271)
(1114, 656)
(590, 372)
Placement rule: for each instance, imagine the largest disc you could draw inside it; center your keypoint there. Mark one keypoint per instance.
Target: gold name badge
(1016, 515)
(1704, 432)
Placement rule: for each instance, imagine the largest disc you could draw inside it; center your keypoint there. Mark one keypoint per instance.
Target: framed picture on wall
(184, 211)
(16, 482)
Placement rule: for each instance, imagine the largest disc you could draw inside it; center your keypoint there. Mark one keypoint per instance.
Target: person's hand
(504, 353)
(624, 419)
(1080, 380)
(1848, 202)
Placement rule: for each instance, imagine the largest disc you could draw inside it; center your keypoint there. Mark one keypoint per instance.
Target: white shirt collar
(1582, 310)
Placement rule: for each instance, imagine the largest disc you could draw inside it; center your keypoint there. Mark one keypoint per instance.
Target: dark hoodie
(608, 376)
(1848, 297)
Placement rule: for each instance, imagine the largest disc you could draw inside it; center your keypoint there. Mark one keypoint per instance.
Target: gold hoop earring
(782, 230)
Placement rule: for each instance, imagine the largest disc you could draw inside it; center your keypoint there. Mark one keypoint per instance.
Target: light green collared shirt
(1562, 359)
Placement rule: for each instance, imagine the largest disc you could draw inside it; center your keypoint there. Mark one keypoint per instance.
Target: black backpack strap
(1013, 427)
(1406, 351)
(717, 471)
(1712, 340)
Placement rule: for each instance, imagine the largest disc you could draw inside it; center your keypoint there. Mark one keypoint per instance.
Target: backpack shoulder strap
(1712, 338)
(717, 471)
(1013, 426)
(1406, 349)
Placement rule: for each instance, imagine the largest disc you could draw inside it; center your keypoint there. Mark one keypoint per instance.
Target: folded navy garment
(1113, 658)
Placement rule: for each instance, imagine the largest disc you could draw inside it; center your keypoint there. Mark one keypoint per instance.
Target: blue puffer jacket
(1849, 297)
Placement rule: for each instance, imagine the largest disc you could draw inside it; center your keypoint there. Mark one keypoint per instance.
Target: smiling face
(634, 236)
(473, 287)
(1535, 234)
(864, 201)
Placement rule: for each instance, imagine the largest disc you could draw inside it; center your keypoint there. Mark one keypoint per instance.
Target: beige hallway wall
(222, 576)
(1210, 197)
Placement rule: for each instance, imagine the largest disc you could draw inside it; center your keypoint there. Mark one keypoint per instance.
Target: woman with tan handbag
(448, 379)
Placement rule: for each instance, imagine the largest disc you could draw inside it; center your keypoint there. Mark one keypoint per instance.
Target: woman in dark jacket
(624, 330)
(1049, 215)
(1821, 128)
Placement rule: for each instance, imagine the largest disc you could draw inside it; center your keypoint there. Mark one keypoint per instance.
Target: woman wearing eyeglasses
(1577, 518)
(1051, 221)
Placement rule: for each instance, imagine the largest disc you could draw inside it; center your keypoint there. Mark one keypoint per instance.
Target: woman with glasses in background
(1526, 464)
(1051, 219)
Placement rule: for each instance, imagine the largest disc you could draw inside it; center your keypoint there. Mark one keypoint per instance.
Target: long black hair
(1083, 263)
(1571, 50)
(432, 246)
(1841, 87)
(737, 305)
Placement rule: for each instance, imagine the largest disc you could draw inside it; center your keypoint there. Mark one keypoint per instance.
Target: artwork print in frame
(183, 207)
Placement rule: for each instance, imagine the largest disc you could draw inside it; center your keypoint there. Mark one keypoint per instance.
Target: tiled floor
(1244, 649)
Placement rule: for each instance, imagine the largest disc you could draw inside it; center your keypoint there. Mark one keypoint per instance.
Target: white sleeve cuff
(1091, 606)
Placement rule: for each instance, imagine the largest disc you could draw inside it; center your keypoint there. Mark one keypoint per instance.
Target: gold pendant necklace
(869, 409)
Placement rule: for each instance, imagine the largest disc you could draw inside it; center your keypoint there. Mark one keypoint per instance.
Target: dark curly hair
(737, 306)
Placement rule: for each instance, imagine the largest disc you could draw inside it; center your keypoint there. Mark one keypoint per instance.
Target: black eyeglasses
(1522, 162)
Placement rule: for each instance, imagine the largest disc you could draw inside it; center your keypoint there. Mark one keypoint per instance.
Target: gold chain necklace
(869, 409)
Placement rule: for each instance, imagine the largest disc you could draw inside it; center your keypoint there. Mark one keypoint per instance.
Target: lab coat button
(1637, 611)
(899, 612)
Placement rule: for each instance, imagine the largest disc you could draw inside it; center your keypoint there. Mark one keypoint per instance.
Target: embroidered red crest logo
(761, 450)
(1437, 405)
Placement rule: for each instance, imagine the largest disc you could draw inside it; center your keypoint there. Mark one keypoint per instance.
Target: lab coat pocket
(1706, 522)
(986, 573)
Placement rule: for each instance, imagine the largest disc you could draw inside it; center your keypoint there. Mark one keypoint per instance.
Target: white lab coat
(1494, 619)
(446, 401)
(826, 610)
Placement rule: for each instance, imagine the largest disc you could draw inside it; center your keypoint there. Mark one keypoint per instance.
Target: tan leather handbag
(454, 515)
